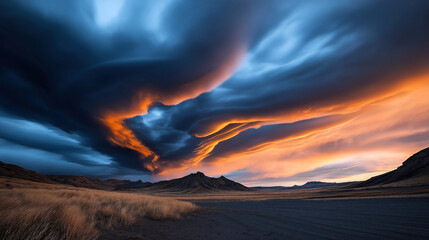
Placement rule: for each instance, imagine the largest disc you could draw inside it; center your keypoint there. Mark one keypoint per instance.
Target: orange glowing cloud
(223, 131)
(208, 144)
(373, 139)
(140, 102)
(376, 141)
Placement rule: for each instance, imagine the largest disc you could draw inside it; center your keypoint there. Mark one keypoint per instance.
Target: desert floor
(370, 218)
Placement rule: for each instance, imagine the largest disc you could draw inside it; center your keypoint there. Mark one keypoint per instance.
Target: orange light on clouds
(122, 136)
(210, 143)
(373, 140)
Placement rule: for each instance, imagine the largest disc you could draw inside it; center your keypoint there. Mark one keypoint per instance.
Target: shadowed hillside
(193, 183)
(95, 183)
(14, 171)
(198, 182)
(414, 171)
(307, 185)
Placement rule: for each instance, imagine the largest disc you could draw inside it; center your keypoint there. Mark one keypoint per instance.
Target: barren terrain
(32, 210)
(373, 218)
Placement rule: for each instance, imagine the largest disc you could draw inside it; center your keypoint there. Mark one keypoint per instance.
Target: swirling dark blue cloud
(315, 57)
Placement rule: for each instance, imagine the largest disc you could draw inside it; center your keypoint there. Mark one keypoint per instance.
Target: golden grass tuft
(27, 213)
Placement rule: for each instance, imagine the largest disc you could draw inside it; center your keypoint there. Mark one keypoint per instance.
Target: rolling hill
(195, 182)
(307, 185)
(95, 183)
(14, 171)
(198, 182)
(414, 171)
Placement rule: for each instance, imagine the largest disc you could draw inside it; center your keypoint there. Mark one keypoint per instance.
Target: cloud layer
(258, 87)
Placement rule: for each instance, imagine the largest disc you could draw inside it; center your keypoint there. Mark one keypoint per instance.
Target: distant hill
(198, 182)
(95, 183)
(195, 182)
(133, 185)
(414, 171)
(14, 171)
(308, 185)
(317, 184)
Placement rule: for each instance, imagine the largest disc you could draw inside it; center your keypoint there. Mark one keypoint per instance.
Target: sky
(263, 92)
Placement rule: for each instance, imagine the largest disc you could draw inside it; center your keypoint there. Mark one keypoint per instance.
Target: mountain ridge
(194, 182)
(307, 185)
(414, 169)
(198, 182)
(15, 171)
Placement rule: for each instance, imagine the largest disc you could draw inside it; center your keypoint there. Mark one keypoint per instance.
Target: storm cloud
(137, 87)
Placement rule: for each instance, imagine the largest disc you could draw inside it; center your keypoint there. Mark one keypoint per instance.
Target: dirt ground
(371, 218)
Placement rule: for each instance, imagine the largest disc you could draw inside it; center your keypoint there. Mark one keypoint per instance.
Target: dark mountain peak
(198, 182)
(198, 174)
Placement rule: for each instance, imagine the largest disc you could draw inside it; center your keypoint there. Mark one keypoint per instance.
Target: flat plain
(368, 218)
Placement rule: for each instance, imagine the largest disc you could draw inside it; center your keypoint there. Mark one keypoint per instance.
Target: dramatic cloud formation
(269, 92)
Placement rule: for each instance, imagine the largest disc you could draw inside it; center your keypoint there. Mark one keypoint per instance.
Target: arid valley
(394, 205)
(214, 119)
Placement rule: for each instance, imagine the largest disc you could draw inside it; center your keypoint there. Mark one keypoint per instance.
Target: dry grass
(27, 213)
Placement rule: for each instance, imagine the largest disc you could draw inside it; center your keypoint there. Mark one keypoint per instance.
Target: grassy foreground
(27, 213)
